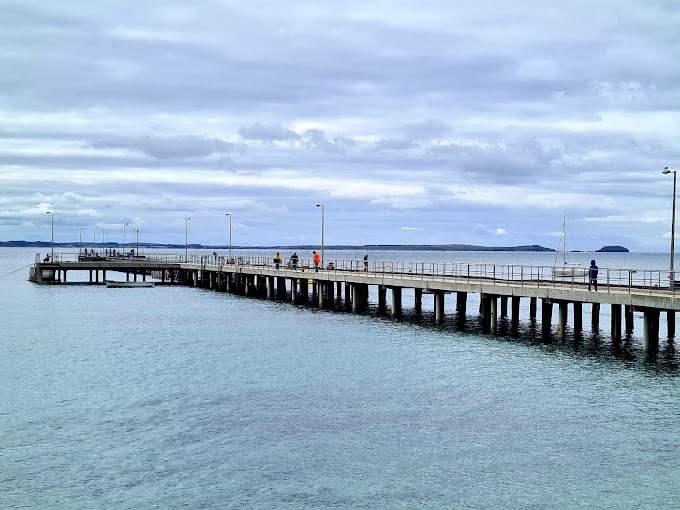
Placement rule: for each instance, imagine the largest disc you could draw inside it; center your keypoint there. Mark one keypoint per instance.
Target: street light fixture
(52, 215)
(186, 239)
(667, 171)
(124, 225)
(322, 227)
(80, 245)
(229, 214)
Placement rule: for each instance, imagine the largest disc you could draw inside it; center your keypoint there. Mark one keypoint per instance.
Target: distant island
(373, 247)
(613, 249)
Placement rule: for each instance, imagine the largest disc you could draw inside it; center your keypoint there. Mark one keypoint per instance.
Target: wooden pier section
(624, 290)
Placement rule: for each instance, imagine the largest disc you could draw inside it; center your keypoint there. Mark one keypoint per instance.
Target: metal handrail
(609, 279)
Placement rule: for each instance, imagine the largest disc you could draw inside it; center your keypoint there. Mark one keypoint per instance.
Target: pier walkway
(624, 290)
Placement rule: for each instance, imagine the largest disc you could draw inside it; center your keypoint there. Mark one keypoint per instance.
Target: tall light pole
(52, 215)
(80, 245)
(322, 225)
(186, 239)
(229, 214)
(124, 225)
(95, 238)
(667, 171)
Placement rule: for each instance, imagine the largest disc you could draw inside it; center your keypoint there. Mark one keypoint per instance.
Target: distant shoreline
(364, 247)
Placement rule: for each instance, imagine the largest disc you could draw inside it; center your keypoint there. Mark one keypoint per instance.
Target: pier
(624, 290)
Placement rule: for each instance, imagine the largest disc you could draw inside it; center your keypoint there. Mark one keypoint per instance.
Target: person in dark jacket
(592, 275)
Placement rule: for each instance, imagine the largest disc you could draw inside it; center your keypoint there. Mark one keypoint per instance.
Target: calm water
(176, 397)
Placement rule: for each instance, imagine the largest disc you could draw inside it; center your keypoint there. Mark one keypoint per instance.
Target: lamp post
(136, 232)
(667, 171)
(186, 239)
(52, 215)
(229, 214)
(322, 225)
(80, 244)
(124, 225)
(95, 238)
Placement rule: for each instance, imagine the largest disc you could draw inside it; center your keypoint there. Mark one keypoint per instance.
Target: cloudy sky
(412, 122)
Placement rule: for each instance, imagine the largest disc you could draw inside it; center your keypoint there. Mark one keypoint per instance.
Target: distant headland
(395, 247)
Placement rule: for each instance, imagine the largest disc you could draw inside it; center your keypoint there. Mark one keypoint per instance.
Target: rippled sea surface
(175, 397)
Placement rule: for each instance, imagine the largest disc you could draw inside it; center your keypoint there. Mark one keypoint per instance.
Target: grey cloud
(426, 129)
(268, 133)
(394, 145)
(317, 138)
(169, 147)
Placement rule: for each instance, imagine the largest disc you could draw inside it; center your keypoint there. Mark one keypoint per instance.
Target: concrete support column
(578, 317)
(281, 287)
(630, 319)
(485, 311)
(104, 276)
(348, 296)
(338, 290)
(563, 308)
(396, 301)
(461, 302)
(418, 300)
(650, 340)
(514, 318)
(361, 293)
(595, 319)
(251, 287)
(493, 313)
(330, 297)
(439, 307)
(293, 291)
(504, 306)
(616, 322)
(532, 308)
(355, 298)
(304, 289)
(670, 318)
(320, 294)
(67, 282)
(270, 287)
(382, 298)
(546, 316)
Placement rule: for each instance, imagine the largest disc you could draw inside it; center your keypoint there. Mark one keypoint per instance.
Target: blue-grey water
(176, 397)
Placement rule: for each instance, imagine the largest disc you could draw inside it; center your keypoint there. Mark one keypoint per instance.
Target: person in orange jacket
(317, 260)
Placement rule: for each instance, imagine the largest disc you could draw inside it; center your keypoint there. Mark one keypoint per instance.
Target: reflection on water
(595, 342)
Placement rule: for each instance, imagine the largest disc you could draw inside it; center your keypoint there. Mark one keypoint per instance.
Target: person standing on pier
(592, 275)
(366, 262)
(317, 260)
(277, 259)
(294, 260)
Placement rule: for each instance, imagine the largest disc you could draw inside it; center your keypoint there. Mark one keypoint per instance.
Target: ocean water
(176, 397)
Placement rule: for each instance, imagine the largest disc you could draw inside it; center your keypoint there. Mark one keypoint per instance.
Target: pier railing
(609, 279)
